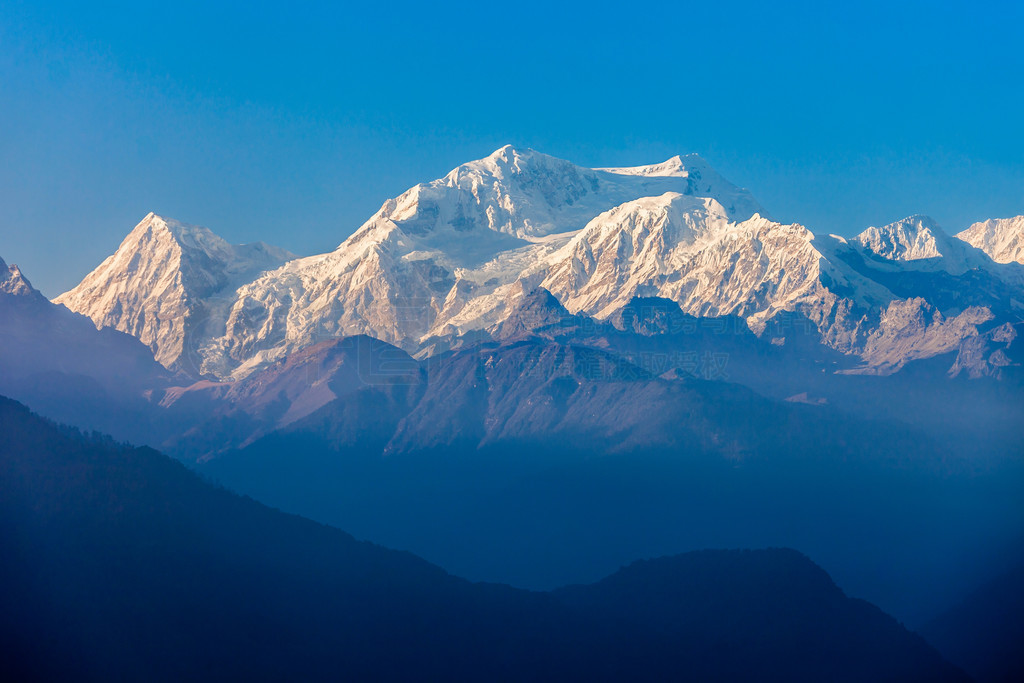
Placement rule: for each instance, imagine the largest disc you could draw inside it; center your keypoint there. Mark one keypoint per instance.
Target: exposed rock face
(912, 329)
(989, 354)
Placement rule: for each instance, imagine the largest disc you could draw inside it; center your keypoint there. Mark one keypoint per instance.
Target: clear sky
(291, 123)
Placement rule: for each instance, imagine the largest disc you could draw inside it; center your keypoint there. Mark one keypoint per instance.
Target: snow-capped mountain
(439, 259)
(688, 251)
(449, 259)
(165, 284)
(918, 244)
(14, 283)
(1001, 238)
(917, 240)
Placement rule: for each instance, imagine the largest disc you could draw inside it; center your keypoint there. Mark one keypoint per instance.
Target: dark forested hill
(985, 632)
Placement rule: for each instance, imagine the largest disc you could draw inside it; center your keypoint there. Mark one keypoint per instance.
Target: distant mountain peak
(509, 153)
(178, 229)
(510, 161)
(677, 166)
(198, 238)
(14, 282)
(1001, 238)
(529, 311)
(908, 239)
(153, 287)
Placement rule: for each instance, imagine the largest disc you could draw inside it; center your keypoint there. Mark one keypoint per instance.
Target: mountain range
(534, 373)
(447, 260)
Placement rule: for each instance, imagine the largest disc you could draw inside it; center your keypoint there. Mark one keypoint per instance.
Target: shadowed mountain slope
(60, 364)
(985, 632)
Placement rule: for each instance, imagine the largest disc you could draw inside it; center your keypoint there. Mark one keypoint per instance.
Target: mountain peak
(154, 221)
(677, 166)
(198, 238)
(14, 282)
(510, 160)
(916, 221)
(1001, 238)
(530, 311)
(191, 237)
(908, 239)
(508, 152)
(151, 285)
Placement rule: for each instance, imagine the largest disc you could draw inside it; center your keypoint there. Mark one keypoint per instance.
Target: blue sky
(292, 123)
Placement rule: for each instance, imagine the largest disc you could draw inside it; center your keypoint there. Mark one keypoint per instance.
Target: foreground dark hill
(697, 593)
(118, 563)
(985, 633)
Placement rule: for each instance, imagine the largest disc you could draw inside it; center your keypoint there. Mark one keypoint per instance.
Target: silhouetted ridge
(985, 633)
